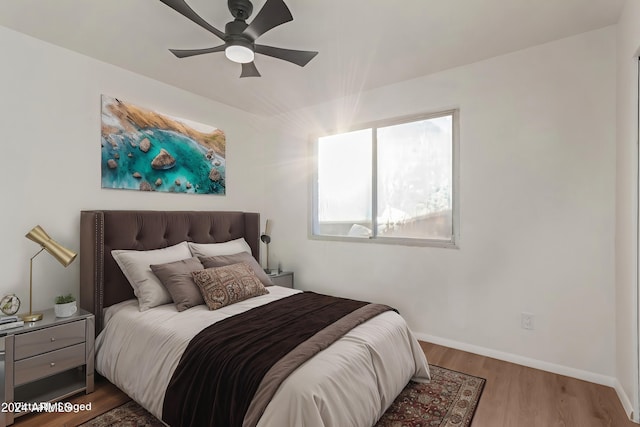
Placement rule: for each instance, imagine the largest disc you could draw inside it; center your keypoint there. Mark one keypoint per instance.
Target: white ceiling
(363, 44)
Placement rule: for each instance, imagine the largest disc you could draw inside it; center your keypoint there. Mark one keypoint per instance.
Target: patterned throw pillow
(221, 286)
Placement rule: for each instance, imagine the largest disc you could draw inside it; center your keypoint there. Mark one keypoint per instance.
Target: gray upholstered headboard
(101, 281)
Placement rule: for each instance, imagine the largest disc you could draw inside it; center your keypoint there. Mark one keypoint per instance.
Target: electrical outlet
(526, 320)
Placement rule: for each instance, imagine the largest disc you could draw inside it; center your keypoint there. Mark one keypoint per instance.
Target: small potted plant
(65, 305)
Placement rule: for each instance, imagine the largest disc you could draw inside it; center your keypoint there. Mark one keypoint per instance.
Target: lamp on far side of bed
(63, 255)
(266, 239)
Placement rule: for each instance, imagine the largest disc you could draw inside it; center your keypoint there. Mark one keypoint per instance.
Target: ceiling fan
(239, 37)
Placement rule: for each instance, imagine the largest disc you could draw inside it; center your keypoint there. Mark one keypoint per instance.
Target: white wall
(50, 146)
(628, 49)
(537, 217)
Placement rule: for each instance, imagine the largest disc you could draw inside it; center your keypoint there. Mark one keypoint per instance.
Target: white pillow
(231, 247)
(136, 267)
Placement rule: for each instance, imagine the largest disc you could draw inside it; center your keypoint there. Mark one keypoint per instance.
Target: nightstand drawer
(49, 339)
(47, 364)
(284, 279)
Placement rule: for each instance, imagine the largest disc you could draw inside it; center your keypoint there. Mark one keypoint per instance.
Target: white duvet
(351, 383)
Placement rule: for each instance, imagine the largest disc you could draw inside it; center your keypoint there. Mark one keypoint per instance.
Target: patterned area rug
(449, 400)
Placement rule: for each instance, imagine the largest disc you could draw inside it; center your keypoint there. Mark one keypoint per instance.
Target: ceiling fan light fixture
(239, 36)
(240, 54)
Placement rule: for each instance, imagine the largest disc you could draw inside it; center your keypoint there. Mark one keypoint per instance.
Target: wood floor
(517, 396)
(514, 396)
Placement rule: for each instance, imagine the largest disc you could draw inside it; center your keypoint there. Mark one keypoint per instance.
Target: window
(392, 181)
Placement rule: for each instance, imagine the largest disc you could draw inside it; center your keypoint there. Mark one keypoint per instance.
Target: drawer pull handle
(53, 364)
(53, 339)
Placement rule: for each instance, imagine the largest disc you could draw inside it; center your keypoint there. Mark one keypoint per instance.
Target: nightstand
(284, 278)
(46, 361)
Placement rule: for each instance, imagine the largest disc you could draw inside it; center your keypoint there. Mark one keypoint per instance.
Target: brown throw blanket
(250, 354)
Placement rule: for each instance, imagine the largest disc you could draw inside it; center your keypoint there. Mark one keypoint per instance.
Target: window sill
(447, 244)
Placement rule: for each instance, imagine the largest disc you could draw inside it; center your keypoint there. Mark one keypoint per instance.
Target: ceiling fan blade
(183, 8)
(249, 70)
(185, 53)
(272, 14)
(298, 57)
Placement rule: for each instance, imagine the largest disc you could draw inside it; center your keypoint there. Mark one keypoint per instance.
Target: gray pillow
(176, 277)
(222, 260)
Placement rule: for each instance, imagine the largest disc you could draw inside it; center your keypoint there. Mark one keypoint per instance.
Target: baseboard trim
(521, 360)
(624, 399)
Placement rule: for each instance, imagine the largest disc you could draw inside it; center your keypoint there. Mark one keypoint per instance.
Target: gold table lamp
(59, 252)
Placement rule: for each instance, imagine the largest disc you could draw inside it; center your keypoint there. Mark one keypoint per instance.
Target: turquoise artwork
(148, 151)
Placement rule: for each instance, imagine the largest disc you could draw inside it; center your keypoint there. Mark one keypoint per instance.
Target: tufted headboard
(101, 281)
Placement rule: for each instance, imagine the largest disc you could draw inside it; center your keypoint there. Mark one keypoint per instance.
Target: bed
(350, 383)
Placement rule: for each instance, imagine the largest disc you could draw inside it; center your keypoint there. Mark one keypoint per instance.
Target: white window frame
(375, 238)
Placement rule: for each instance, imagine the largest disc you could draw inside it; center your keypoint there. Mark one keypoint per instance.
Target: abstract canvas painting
(148, 151)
